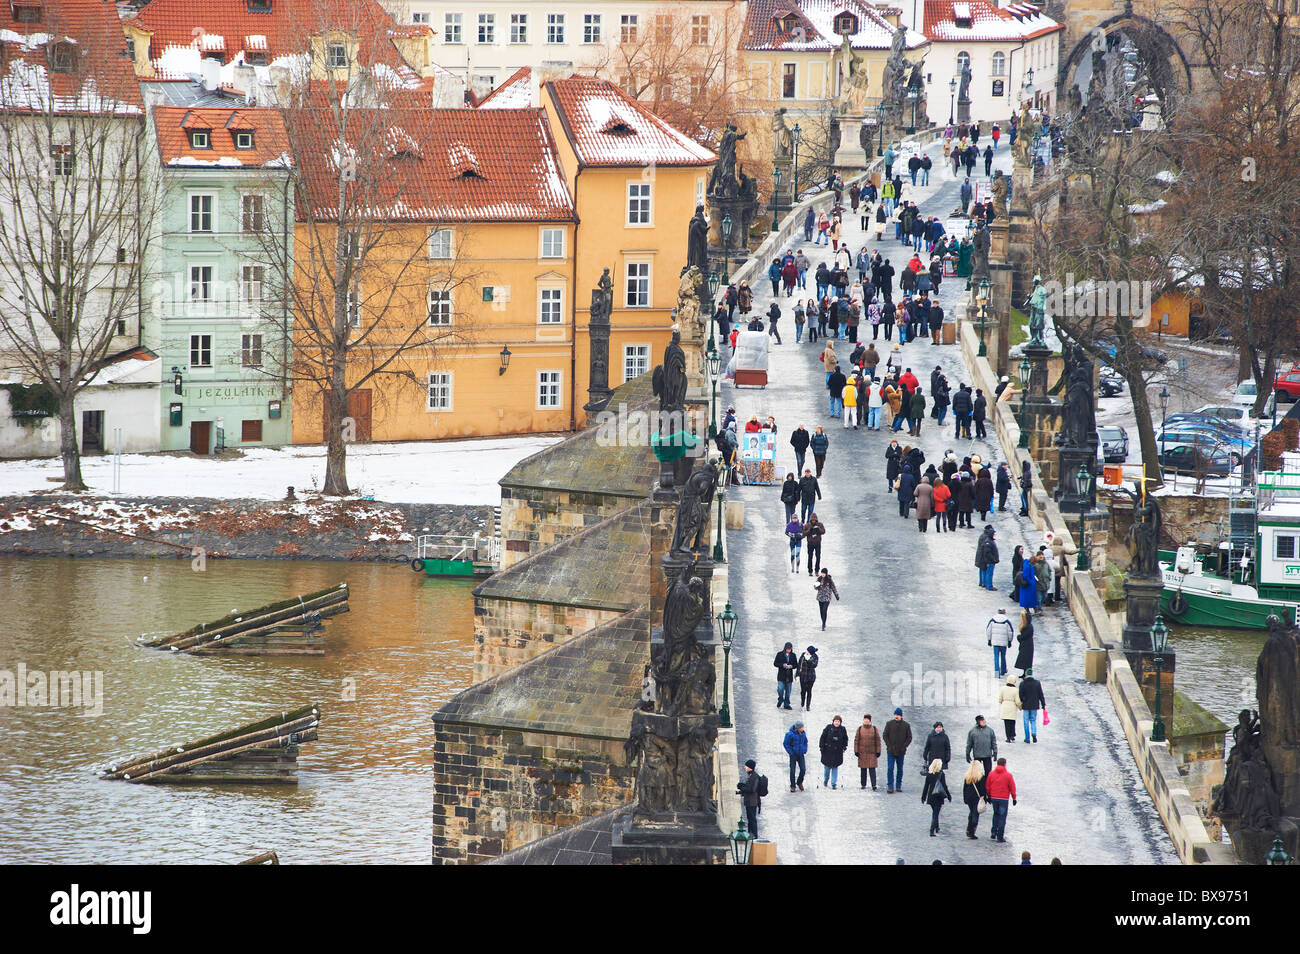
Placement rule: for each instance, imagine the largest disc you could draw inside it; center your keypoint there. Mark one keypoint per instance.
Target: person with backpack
(866, 746)
(935, 793)
(752, 790)
(807, 676)
(795, 744)
(834, 740)
(794, 532)
(897, 737)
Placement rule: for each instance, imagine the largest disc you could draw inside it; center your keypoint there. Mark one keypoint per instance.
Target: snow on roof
(1268, 267)
(515, 93)
(270, 142)
(1142, 208)
(984, 21)
(255, 41)
(608, 128)
(815, 26)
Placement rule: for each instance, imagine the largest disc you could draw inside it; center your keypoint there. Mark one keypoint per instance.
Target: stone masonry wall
(534, 519)
(497, 789)
(508, 632)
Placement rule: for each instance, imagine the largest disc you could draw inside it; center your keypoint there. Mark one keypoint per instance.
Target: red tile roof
(988, 22)
(514, 93)
(609, 128)
(270, 142)
(442, 165)
(814, 26)
(100, 78)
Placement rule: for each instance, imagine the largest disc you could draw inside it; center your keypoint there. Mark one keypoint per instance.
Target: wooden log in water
(265, 858)
(321, 601)
(302, 731)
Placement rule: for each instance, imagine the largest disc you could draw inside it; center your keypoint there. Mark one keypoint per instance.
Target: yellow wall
(1177, 305)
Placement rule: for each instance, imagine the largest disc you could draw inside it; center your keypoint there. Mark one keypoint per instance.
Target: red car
(1287, 385)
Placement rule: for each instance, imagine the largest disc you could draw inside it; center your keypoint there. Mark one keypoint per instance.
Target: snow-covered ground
(453, 472)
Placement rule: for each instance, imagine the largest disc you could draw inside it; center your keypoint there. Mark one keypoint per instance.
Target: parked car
(1193, 460)
(1207, 439)
(1236, 414)
(1245, 396)
(1109, 383)
(1205, 422)
(1114, 444)
(1287, 385)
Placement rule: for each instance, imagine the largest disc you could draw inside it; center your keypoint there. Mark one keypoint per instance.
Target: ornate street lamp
(796, 136)
(776, 193)
(727, 630)
(1027, 87)
(1164, 413)
(713, 300)
(983, 295)
(914, 94)
(725, 229)
(714, 361)
(741, 840)
(881, 112)
(952, 95)
(1026, 369)
(1278, 855)
(722, 495)
(505, 359)
(1160, 643)
(1083, 484)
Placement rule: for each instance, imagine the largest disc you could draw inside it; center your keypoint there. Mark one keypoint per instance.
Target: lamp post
(796, 136)
(505, 359)
(1026, 369)
(914, 94)
(1164, 413)
(714, 361)
(1027, 87)
(713, 298)
(1160, 643)
(725, 229)
(881, 112)
(1083, 484)
(741, 840)
(983, 295)
(1278, 855)
(722, 493)
(727, 630)
(952, 96)
(776, 193)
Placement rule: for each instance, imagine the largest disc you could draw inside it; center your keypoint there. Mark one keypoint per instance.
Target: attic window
(618, 126)
(336, 56)
(26, 12)
(961, 15)
(244, 139)
(846, 23)
(259, 6)
(63, 57)
(464, 164)
(200, 139)
(255, 58)
(786, 22)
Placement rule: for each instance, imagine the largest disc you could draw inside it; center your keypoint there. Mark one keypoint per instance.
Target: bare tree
(77, 191)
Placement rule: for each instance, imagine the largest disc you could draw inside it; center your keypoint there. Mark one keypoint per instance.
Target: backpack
(762, 786)
(1020, 579)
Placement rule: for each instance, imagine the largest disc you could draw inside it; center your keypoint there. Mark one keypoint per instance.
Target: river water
(365, 787)
(1216, 667)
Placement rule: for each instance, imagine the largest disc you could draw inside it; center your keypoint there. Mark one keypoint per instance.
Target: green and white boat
(1249, 577)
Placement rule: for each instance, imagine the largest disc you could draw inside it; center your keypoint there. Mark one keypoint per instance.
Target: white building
(1001, 45)
(486, 41)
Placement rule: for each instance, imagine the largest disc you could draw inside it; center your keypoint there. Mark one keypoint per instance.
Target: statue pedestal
(850, 154)
(1142, 604)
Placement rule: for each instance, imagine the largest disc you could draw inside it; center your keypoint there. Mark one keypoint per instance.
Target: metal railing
(440, 546)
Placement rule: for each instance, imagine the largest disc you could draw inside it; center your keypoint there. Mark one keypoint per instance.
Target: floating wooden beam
(289, 627)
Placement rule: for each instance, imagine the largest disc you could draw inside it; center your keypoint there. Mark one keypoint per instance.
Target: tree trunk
(1129, 363)
(68, 442)
(336, 412)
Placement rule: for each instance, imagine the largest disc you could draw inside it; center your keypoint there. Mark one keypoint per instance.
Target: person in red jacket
(908, 378)
(1001, 786)
(941, 504)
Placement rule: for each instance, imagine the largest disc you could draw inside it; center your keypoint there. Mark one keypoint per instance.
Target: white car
(1235, 413)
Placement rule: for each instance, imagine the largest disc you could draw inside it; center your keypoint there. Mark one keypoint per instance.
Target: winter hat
(797, 725)
(979, 718)
(812, 649)
(937, 725)
(751, 764)
(898, 711)
(1029, 672)
(789, 645)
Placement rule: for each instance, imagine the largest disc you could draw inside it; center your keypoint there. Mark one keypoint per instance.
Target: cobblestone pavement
(910, 611)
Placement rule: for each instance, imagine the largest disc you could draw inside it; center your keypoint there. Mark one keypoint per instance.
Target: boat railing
(440, 546)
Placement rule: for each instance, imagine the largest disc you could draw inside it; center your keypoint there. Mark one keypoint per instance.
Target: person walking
(937, 746)
(917, 412)
(893, 463)
(986, 558)
(809, 223)
(789, 276)
(941, 495)
(924, 494)
(965, 497)
(974, 795)
(1028, 584)
(834, 740)
(773, 313)
(906, 490)
(1001, 788)
(984, 495)
(998, 633)
(866, 746)
(982, 744)
(800, 320)
(934, 793)
(1026, 485)
(794, 533)
(790, 495)
(979, 410)
(801, 264)
(1031, 700)
(1017, 561)
(1003, 485)
(849, 400)
(890, 156)
(1009, 708)
(752, 788)
(810, 491)
(897, 737)
(785, 663)
(774, 276)
(825, 588)
(813, 531)
(830, 360)
(807, 676)
(967, 190)
(799, 441)
(988, 162)
(961, 411)
(819, 444)
(745, 298)
(795, 744)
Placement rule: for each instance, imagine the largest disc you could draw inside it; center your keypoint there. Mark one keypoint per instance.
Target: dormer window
(244, 139)
(786, 22)
(28, 12)
(846, 23)
(961, 15)
(259, 6)
(336, 56)
(63, 57)
(200, 139)
(464, 164)
(256, 58)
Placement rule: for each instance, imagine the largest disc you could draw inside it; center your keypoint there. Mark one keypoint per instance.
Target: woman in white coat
(1009, 708)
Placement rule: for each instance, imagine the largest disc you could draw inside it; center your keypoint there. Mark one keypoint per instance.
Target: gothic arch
(1171, 73)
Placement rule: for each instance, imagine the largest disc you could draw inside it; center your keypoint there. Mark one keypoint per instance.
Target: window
(700, 30)
(788, 75)
(201, 212)
(663, 28)
(252, 210)
(354, 308)
(552, 243)
(1284, 547)
(548, 389)
(439, 391)
(628, 28)
(199, 139)
(420, 18)
(250, 284)
(61, 156)
(256, 57)
(201, 283)
(119, 327)
(628, 84)
(483, 84)
(636, 361)
(62, 58)
(963, 61)
(591, 28)
(451, 23)
(259, 6)
(487, 27)
(351, 245)
(121, 255)
(200, 351)
(130, 47)
(440, 243)
(250, 353)
(244, 140)
(555, 28)
(250, 432)
(518, 28)
(638, 284)
(999, 64)
(336, 56)
(440, 307)
(846, 23)
(638, 203)
(550, 311)
(696, 86)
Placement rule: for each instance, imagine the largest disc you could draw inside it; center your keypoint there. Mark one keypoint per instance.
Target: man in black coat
(786, 663)
(799, 441)
(748, 788)
(978, 411)
(835, 385)
(810, 491)
(813, 533)
(937, 746)
(887, 282)
(961, 410)
(1031, 700)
